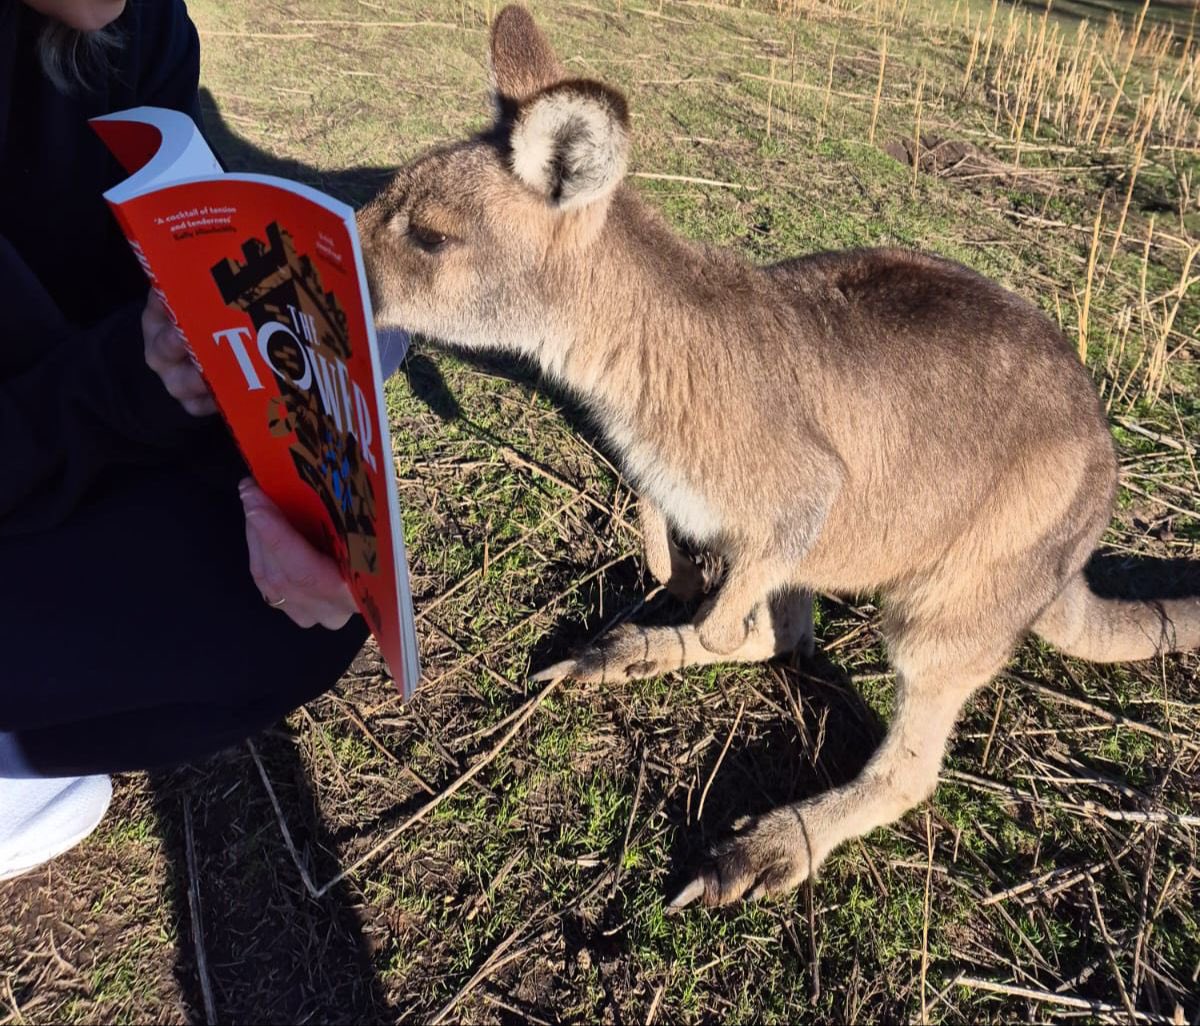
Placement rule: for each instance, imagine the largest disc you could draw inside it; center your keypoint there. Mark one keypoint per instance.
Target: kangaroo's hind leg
(779, 625)
(947, 636)
(771, 854)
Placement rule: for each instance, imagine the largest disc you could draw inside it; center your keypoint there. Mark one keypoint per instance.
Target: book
(264, 278)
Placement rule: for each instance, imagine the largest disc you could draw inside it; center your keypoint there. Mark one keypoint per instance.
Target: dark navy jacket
(76, 397)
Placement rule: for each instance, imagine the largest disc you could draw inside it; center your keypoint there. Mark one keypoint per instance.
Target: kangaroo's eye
(427, 238)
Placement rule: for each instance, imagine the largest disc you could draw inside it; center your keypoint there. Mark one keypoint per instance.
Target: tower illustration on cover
(274, 283)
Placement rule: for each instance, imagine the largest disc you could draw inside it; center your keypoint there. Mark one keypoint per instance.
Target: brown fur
(873, 420)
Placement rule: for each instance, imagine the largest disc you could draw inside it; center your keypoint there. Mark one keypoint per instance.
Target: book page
(157, 147)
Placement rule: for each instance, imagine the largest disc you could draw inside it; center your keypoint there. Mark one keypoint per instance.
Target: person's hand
(293, 576)
(168, 357)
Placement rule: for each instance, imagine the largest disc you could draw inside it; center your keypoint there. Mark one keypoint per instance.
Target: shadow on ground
(352, 185)
(271, 952)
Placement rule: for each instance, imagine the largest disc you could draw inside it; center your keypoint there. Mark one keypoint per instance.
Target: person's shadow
(352, 185)
(252, 945)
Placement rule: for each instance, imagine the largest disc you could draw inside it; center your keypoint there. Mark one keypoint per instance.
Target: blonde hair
(75, 60)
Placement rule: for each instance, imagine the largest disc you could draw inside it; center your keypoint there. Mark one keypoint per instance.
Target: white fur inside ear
(570, 147)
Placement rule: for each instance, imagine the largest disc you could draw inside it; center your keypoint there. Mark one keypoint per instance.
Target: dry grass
(491, 853)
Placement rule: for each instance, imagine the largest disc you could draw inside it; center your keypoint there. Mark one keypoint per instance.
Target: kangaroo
(871, 421)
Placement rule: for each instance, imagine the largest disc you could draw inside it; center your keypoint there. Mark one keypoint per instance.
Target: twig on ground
(619, 870)
(925, 919)
(205, 33)
(1083, 808)
(511, 455)
(689, 180)
(432, 604)
(499, 957)
(1106, 937)
(527, 710)
(1098, 711)
(189, 840)
(653, 1010)
(1063, 1000)
(1159, 500)
(1072, 874)
(720, 758)
(351, 23)
(814, 960)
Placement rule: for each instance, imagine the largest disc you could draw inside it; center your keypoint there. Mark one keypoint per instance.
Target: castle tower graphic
(272, 282)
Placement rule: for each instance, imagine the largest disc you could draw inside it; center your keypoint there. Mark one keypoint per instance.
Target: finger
(155, 305)
(166, 336)
(310, 583)
(273, 578)
(154, 314)
(205, 406)
(253, 497)
(265, 567)
(254, 548)
(274, 583)
(183, 381)
(165, 348)
(303, 565)
(288, 567)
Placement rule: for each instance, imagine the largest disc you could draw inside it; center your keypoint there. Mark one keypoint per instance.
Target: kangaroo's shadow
(1146, 578)
(823, 742)
(428, 383)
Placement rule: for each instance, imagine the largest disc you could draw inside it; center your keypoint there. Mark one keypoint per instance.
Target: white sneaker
(42, 818)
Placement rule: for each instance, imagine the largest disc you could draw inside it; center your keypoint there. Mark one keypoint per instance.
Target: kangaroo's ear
(571, 142)
(522, 61)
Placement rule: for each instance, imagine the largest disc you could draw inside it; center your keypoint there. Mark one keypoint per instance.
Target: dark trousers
(133, 636)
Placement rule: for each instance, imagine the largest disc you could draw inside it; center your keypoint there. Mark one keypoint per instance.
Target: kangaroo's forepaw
(768, 856)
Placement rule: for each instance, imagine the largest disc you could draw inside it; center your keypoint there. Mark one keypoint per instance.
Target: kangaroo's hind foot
(629, 652)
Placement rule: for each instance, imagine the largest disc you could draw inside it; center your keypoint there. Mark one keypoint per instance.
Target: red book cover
(265, 280)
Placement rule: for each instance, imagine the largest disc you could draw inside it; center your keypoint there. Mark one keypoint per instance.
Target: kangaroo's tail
(1108, 630)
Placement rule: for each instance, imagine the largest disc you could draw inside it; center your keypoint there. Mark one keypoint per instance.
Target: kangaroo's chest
(675, 490)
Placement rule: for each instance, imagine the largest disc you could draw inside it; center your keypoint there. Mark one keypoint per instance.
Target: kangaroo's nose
(366, 218)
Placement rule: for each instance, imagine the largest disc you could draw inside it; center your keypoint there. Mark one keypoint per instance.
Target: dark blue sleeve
(76, 400)
(89, 403)
(169, 75)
